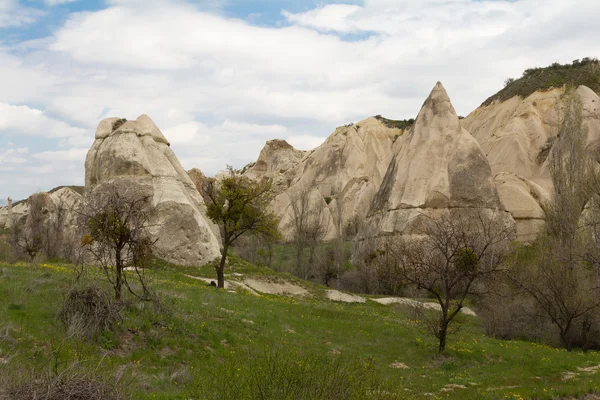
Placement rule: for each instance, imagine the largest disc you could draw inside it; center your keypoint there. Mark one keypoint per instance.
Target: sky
(220, 78)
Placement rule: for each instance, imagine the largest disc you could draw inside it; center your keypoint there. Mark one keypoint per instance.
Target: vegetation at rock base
(581, 72)
(176, 350)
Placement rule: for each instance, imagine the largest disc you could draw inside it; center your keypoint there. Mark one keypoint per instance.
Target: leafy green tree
(239, 206)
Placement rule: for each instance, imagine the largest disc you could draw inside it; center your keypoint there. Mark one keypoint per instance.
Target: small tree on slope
(452, 260)
(117, 218)
(239, 206)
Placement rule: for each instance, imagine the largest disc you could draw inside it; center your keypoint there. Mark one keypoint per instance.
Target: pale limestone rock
(437, 168)
(62, 197)
(137, 152)
(278, 161)
(516, 137)
(342, 175)
(9, 214)
(525, 200)
(198, 178)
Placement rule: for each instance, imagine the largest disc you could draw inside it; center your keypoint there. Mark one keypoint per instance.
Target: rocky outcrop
(62, 200)
(137, 152)
(278, 161)
(337, 180)
(524, 200)
(437, 167)
(516, 136)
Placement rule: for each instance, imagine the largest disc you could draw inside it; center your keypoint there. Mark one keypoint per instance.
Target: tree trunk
(443, 332)
(442, 336)
(221, 268)
(299, 251)
(564, 338)
(118, 278)
(311, 260)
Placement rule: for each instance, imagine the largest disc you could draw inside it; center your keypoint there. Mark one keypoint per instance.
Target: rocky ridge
(339, 178)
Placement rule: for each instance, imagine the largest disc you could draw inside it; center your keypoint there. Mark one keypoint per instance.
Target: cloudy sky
(222, 77)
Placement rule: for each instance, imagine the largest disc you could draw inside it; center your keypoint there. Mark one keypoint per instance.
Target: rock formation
(63, 199)
(338, 178)
(9, 214)
(516, 136)
(137, 152)
(279, 161)
(437, 167)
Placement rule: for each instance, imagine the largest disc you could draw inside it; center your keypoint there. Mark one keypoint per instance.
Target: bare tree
(28, 232)
(117, 217)
(453, 259)
(309, 229)
(565, 292)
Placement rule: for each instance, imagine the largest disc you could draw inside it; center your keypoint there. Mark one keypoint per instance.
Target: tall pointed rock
(436, 167)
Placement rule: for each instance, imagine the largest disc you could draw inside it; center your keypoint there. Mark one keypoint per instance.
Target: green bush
(398, 124)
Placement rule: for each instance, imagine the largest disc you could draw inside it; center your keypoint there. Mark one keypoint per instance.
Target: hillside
(204, 343)
(584, 72)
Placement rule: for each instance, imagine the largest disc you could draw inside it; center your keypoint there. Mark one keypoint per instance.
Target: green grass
(201, 333)
(586, 72)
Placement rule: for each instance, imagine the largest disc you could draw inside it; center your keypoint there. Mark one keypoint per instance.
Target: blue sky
(222, 77)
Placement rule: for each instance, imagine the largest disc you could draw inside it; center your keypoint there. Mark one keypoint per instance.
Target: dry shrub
(88, 311)
(514, 316)
(77, 386)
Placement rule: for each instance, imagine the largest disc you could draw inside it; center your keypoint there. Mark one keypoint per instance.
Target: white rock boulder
(137, 152)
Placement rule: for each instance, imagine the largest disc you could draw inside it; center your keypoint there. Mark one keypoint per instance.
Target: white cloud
(220, 87)
(58, 2)
(12, 158)
(305, 142)
(27, 121)
(74, 154)
(212, 147)
(13, 14)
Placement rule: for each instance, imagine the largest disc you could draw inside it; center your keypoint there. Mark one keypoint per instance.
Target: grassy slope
(556, 75)
(209, 329)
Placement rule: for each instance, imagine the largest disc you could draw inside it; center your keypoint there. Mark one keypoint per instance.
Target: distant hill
(581, 72)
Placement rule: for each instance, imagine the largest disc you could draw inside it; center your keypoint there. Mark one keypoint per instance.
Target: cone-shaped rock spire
(437, 166)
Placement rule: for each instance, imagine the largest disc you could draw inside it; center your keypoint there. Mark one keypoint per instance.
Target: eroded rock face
(137, 152)
(437, 168)
(516, 137)
(62, 200)
(340, 177)
(278, 161)
(524, 200)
